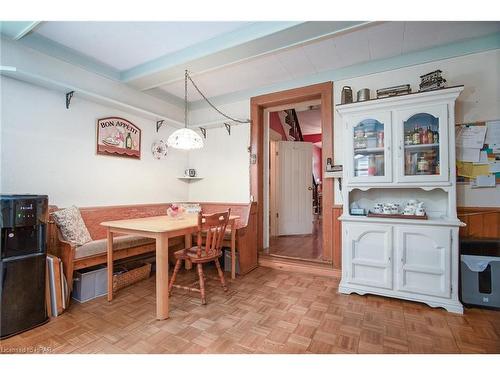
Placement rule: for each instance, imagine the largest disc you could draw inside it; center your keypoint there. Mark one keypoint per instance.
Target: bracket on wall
(69, 95)
(204, 132)
(228, 128)
(159, 124)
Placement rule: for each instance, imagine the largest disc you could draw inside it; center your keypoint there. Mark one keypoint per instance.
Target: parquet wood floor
(266, 311)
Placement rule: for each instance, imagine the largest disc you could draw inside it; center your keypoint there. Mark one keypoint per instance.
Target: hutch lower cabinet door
(412, 262)
(369, 255)
(423, 260)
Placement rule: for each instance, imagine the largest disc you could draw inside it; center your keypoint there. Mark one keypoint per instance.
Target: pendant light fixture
(185, 138)
(188, 139)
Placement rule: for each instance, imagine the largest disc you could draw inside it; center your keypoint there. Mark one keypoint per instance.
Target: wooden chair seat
(192, 255)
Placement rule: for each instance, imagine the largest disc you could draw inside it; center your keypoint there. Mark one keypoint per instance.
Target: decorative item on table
(363, 94)
(175, 211)
(346, 96)
(190, 172)
(432, 81)
(356, 210)
(393, 91)
(159, 149)
(191, 208)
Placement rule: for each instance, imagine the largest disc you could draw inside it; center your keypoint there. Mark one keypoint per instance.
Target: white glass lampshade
(185, 139)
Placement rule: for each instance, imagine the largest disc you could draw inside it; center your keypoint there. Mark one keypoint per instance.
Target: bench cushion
(99, 247)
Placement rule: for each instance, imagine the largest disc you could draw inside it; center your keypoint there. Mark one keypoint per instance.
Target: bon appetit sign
(119, 137)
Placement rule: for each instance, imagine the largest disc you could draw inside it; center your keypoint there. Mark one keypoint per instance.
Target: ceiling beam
(219, 52)
(17, 29)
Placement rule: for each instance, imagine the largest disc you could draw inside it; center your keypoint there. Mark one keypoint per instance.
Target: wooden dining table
(161, 228)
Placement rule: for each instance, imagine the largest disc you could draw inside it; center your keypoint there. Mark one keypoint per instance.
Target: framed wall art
(118, 137)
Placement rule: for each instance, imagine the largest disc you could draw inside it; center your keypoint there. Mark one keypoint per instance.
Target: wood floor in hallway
(266, 311)
(308, 246)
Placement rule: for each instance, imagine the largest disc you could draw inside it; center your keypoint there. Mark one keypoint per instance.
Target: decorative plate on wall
(159, 150)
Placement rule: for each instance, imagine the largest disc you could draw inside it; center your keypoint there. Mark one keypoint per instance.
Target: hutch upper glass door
(370, 149)
(423, 144)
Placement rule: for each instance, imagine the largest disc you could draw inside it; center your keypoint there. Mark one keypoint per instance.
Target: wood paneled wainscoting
(480, 221)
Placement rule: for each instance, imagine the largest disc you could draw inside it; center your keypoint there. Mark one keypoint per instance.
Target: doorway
(295, 182)
(288, 98)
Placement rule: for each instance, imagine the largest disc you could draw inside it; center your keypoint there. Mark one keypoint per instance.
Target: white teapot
(411, 207)
(420, 210)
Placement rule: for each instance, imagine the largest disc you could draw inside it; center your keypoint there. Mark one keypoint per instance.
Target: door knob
(309, 188)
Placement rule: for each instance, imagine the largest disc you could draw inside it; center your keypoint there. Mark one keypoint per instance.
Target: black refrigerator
(23, 221)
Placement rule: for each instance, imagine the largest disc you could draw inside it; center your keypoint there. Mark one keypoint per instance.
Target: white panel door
(369, 254)
(294, 187)
(424, 260)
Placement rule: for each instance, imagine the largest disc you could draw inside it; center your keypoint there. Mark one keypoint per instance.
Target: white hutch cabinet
(398, 149)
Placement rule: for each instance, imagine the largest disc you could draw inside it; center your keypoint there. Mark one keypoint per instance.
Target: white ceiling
(123, 45)
(310, 121)
(375, 42)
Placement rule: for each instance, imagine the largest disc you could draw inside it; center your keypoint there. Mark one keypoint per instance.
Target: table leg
(162, 276)
(110, 265)
(233, 250)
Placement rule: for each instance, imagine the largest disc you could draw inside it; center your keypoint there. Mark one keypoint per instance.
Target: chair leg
(174, 275)
(221, 275)
(202, 283)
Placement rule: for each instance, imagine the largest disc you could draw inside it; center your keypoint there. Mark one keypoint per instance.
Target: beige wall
(480, 73)
(480, 101)
(48, 149)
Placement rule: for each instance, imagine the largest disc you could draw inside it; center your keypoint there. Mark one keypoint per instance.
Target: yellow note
(472, 170)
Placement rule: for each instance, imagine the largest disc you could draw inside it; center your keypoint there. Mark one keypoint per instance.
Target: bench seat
(99, 247)
(95, 252)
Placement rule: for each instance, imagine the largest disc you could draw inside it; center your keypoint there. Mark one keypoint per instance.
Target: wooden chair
(214, 225)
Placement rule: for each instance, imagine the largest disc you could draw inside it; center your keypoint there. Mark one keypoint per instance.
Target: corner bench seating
(94, 253)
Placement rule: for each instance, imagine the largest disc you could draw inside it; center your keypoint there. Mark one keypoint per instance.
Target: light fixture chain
(210, 103)
(186, 99)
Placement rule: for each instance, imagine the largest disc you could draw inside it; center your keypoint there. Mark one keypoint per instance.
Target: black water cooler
(23, 253)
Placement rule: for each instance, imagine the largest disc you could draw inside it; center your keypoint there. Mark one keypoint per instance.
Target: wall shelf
(189, 179)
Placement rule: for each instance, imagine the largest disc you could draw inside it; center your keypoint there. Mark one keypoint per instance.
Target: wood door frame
(323, 92)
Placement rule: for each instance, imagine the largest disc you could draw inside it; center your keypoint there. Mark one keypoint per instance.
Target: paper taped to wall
(472, 170)
(469, 136)
(483, 181)
(493, 132)
(468, 154)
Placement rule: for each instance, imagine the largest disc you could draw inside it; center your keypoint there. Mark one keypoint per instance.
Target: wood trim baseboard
(299, 266)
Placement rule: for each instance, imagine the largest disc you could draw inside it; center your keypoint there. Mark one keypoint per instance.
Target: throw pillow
(71, 225)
